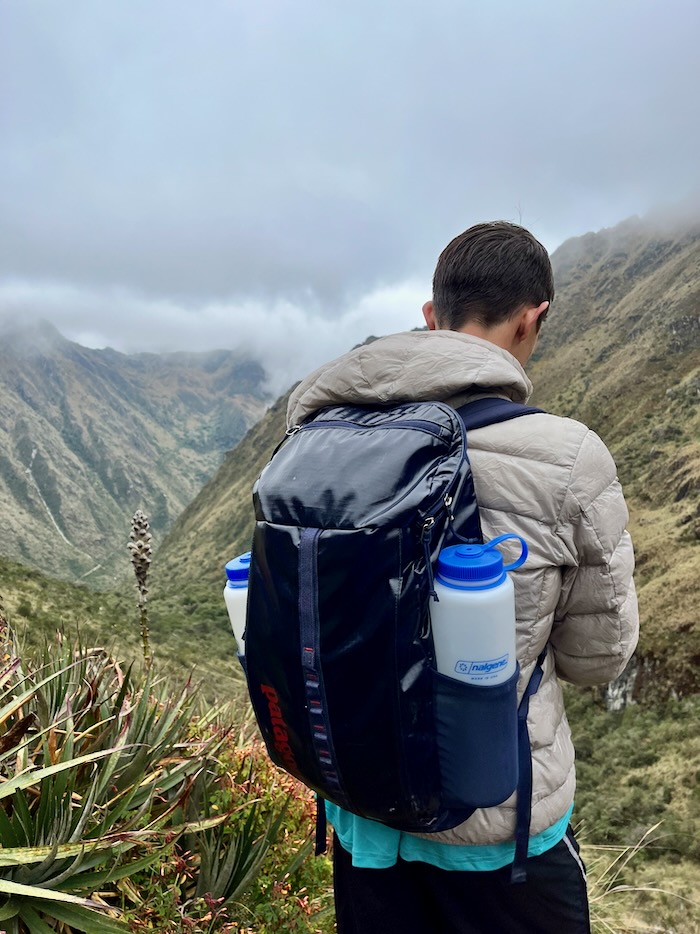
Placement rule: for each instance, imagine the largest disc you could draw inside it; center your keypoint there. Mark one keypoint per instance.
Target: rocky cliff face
(89, 436)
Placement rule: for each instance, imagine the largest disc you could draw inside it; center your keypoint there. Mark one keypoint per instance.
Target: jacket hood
(413, 366)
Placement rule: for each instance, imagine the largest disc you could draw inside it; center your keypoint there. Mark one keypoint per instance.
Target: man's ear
(527, 320)
(429, 315)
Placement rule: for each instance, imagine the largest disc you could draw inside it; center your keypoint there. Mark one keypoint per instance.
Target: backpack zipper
(420, 424)
(425, 536)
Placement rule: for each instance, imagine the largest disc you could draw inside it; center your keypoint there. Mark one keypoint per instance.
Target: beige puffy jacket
(551, 480)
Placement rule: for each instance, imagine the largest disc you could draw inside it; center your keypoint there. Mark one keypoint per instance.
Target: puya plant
(95, 773)
(93, 770)
(219, 871)
(106, 775)
(141, 551)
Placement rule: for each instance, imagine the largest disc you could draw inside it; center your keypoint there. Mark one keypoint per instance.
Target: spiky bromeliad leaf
(81, 914)
(37, 891)
(34, 923)
(21, 700)
(115, 844)
(229, 862)
(32, 777)
(9, 910)
(76, 917)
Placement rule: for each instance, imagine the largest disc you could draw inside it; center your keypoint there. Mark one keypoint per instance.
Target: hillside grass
(189, 629)
(636, 769)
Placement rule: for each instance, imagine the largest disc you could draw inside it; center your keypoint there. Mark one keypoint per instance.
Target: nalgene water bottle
(473, 620)
(477, 673)
(236, 596)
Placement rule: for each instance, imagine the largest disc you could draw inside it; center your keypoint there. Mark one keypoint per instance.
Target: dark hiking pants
(417, 898)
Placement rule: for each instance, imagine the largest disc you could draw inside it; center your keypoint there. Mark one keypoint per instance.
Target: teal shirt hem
(376, 846)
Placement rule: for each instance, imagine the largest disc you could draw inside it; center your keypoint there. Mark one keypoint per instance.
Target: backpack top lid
(477, 565)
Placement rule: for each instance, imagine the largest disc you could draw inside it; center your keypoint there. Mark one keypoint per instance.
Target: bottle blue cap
(238, 568)
(477, 563)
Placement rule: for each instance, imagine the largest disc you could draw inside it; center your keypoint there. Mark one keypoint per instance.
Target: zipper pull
(426, 535)
(292, 430)
(448, 500)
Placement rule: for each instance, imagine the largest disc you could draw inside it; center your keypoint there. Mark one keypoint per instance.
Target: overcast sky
(280, 175)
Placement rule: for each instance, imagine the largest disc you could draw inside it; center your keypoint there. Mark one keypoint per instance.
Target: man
(552, 481)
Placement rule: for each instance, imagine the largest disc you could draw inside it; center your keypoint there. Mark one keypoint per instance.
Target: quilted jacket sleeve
(596, 623)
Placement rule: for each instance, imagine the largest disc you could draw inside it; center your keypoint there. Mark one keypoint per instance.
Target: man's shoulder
(538, 435)
(579, 451)
(541, 465)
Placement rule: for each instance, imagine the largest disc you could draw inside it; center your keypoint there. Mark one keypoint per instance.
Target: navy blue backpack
(351, 513)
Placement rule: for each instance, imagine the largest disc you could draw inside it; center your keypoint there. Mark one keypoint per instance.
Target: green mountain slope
(621, 352)
(217, 525)
(89, 436)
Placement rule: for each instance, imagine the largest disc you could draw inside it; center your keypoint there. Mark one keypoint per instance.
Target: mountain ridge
(89, 436)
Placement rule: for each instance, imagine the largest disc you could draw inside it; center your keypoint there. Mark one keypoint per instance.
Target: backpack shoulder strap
(523, 805)
(489, 411)
(492, 409)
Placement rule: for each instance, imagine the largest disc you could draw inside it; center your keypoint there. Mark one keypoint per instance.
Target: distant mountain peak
(30, 338)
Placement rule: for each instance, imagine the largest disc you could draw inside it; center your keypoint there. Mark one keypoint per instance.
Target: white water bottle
(236, 596)
(473, 620)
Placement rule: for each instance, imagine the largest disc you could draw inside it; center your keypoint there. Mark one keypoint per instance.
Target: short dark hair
(488, 273)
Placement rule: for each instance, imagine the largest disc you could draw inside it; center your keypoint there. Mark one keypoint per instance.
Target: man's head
(488, 273)
(488, 279)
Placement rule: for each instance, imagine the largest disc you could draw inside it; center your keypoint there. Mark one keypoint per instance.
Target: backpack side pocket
(477, 731)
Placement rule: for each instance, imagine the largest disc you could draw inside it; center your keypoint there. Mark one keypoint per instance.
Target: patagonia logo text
(279, 729)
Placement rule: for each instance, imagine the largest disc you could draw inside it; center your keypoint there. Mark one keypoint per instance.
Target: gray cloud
(190, 157)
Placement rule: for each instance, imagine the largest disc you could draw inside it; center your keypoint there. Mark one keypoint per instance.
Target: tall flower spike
(141, 552)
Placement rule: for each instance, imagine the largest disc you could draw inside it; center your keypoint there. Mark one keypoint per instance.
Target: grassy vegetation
(130, 803)
(189, 628)
(637, 769)
(627, 897)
